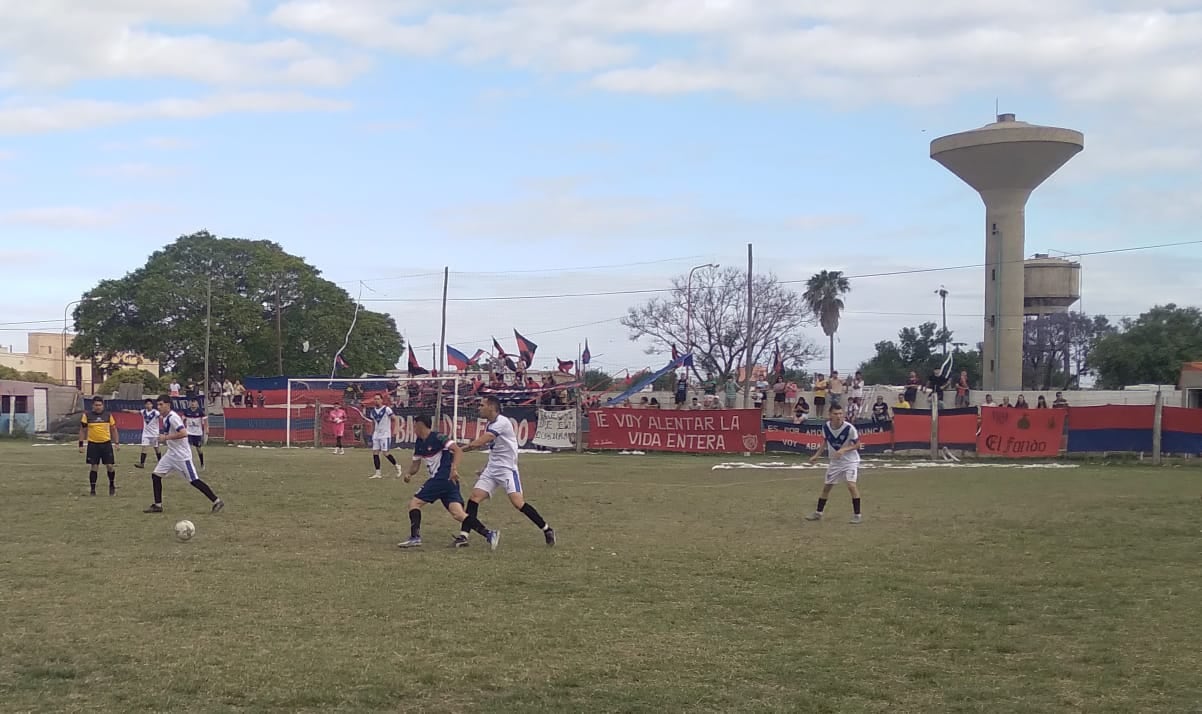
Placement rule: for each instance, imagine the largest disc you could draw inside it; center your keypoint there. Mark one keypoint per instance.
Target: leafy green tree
(718, 298)
(1056, 348)
(918, 349)
(597, 380)
(824, 296)
(159, 310)
(150, 383)
(1149, 349)
(19, 376)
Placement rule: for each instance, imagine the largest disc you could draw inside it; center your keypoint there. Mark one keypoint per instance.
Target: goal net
(448, 401)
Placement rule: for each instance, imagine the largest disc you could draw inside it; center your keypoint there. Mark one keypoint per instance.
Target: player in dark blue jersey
(441, 456)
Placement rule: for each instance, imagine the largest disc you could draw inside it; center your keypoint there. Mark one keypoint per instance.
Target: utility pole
(208, 331)
(942, 293)
(750, 330)
(441, 357)
(279, 332)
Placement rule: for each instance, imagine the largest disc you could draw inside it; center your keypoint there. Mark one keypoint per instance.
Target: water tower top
(1007, 155)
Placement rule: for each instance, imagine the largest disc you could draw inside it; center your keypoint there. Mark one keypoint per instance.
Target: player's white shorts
(842, 472)
(381, 444)
(150, 440)
(176, 463)
(495, 478)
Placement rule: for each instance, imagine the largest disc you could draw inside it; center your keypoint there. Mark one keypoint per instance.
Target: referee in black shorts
(99, 429)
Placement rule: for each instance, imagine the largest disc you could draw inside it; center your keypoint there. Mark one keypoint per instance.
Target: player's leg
(832, 477)
(514, 490)
(385, 450)
(109, 458)
(198, 443)
(93, 460)
(142, 456)
(415, 520)
(481, 491)
(852, 477)
(375, 457)
(161, 469)
(199, 485)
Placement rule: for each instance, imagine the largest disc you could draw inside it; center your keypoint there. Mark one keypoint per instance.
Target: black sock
(92, 479)
(390, 459)
(157, 482)
(204, 488)
(533, 516)
(143, 459)
(821, 504)
(415, 523)
(112, 478)
(472, 524)
(855, 505)
(337, 442)
(473, 508)
(375, 459)
(201, 454)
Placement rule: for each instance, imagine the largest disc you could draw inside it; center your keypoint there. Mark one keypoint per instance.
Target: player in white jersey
(842, 443)
(383, 422)
(178, 459)
(501, 471)
(150, 433)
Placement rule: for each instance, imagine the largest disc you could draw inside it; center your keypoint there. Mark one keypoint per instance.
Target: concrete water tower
(1050, 285)
(1005, 161)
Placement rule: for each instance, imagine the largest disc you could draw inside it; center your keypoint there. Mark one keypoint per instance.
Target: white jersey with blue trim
(150, 423)
(837, 438)
(503, 449)
(381, 419)
(173, 424)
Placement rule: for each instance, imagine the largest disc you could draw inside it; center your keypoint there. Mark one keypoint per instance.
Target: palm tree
(824, 296)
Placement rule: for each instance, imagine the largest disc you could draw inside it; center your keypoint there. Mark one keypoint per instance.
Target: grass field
(674, 588)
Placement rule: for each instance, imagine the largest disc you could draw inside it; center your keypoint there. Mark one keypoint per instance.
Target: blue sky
(513, 139)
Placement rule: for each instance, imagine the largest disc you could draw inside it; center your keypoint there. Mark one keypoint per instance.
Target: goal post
(447, 400)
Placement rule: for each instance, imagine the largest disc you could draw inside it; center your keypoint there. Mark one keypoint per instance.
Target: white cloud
(33, 118)
(57, 43)
(135, 170)
(76, 217)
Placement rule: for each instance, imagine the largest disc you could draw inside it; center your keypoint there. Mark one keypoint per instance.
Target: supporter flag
(502, 356)
(687, 361)
(476, 357)
(566, 365)
(415, 369)
(457, 359)
(526, 348)
(341, 362)
(778, 364)
(587, 356)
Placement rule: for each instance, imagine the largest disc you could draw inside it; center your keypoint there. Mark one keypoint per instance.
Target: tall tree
(159, 310)
(597, 380)
(719, 321)
(918, 349)
(824, 296)
(1149, 349)
(1056, 348)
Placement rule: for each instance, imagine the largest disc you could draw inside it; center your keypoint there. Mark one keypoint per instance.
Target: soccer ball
(184, 530)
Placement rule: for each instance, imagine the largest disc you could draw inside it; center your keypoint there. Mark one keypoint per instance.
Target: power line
(29, 322)
(611, 266)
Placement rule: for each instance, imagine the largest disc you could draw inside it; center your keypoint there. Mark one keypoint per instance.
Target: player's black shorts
(438, 489)
(197, 441)
(101, 454)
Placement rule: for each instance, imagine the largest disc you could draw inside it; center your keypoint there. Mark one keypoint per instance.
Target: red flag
(566, 366)
(778, 365)
(526, 348)
(502, 356)
(415, 369)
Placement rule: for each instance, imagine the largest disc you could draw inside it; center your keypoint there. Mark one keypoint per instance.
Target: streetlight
(942, 293)
(688, 291)
(66, 307)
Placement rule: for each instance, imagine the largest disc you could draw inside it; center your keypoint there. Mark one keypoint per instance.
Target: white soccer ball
(184, 530)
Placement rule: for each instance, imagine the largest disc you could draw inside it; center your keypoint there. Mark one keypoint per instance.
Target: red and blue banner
(1111, 428)
(1020, 433)
(457, 359)
(782, 436)
(957, 428)
(1181, 430)
(526, 348)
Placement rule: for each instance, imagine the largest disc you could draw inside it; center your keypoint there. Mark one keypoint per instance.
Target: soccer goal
(448, 401)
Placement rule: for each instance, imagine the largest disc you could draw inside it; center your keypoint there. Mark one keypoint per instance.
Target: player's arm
(480, 441)
(114, 435)
(456, 457)
(83, 433)
(414, 467)
(178, 433)
(818, 452)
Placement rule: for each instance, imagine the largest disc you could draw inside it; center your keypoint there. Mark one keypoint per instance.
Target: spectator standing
(962, 391)
(912, 385)
(1060, 402)
(820, 386)
(836, 390)
(779, 406)
(880, 411)
(731, 390)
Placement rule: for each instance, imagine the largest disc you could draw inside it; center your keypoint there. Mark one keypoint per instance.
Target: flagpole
(580, 392)
(441, 357)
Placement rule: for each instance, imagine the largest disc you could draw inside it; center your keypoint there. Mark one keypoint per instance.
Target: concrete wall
(23, 423)
(45, 355)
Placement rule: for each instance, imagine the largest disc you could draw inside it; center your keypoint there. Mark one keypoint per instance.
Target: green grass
(675, 588)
